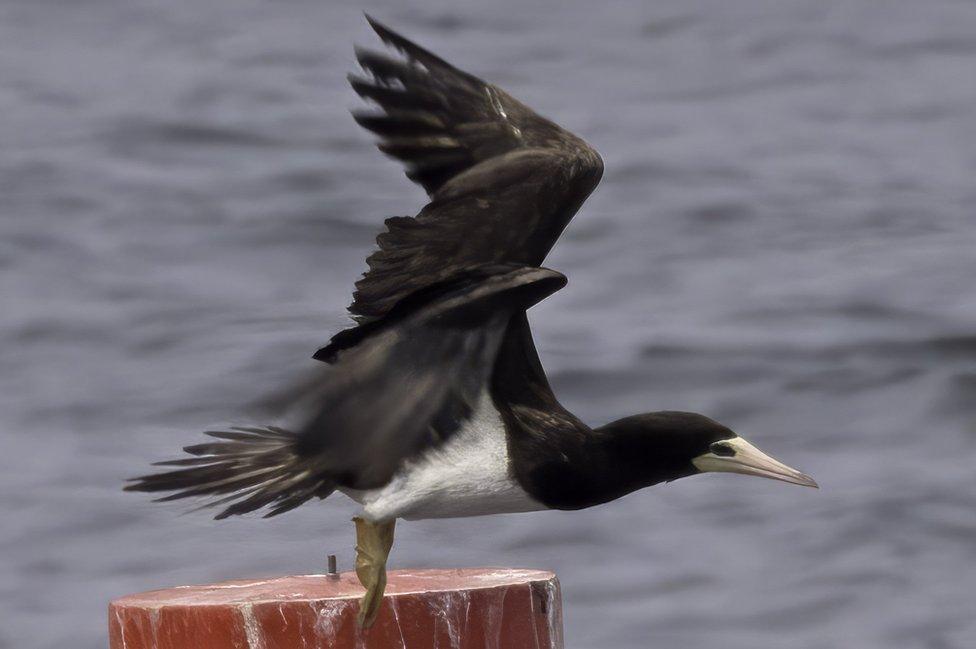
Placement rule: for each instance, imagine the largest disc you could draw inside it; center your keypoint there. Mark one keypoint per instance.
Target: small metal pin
(333, 573)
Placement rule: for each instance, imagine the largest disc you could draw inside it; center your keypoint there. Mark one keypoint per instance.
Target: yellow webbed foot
(373, 543)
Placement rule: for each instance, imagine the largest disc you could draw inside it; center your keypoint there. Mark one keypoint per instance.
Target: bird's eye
(722, 450)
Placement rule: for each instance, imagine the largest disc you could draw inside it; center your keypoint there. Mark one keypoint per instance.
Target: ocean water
(785, 239)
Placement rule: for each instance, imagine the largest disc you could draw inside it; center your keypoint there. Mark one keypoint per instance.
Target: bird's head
(672, 445)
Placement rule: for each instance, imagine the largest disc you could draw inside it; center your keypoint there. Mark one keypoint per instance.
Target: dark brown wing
(400, 386)
(503, 181)
(410, 383)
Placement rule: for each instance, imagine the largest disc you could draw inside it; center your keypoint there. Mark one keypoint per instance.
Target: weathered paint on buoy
(469, 608)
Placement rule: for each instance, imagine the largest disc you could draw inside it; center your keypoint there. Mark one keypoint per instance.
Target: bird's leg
(373, 543)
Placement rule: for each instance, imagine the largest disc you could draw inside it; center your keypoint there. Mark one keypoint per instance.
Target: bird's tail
(246, 469)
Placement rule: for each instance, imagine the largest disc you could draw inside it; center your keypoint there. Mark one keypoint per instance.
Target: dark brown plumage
(503, 181)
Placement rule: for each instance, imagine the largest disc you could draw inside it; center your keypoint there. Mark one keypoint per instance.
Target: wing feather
(406, 382)
(503, 181)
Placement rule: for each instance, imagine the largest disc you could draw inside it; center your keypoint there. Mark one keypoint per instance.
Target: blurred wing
(503, 181)
(409, 382)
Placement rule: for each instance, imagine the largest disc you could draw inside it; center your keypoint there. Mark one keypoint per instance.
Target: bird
(434, 403)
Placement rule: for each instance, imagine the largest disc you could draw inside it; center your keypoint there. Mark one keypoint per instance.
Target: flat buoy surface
(468, 608)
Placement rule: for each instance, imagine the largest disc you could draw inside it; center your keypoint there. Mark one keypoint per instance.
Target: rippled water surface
(785, 239)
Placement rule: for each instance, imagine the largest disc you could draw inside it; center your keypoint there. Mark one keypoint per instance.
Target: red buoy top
(466, 608)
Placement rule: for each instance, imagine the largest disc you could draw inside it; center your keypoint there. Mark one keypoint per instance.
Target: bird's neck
(557, 458)
(638, 458)
(566, 465)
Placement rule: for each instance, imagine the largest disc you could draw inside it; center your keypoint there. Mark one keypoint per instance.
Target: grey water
(785, 239)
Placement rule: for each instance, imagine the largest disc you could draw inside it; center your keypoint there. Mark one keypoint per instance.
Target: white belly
(467, 476)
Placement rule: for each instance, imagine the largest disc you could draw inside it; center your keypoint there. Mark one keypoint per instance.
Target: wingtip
(415, 52)
(397, 40)
(377, 26)
(358, 82)
(530, 274)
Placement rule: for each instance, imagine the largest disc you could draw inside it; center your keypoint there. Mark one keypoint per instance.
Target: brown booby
(435, 403)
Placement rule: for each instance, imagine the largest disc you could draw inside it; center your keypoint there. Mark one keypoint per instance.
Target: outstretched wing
(503, 181)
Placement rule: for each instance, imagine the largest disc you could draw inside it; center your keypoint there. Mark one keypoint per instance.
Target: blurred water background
(785, 239)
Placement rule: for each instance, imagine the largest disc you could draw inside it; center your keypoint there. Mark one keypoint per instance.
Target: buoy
(468, 608)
